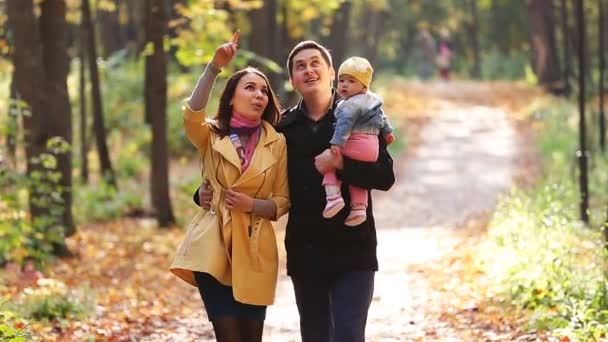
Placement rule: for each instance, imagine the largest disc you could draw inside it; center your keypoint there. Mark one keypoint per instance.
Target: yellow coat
(238, 249)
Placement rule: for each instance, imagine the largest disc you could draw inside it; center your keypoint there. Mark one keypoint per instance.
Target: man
(331, 265)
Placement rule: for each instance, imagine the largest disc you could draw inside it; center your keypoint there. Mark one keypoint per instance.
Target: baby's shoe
(356, 217)
(335, 203)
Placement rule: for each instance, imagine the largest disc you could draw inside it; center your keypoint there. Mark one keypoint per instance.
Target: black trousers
(334, 308)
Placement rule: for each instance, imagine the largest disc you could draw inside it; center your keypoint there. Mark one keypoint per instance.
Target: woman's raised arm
(194, 111)
(223, 55)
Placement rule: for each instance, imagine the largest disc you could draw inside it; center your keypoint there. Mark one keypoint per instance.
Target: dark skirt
(219, 300)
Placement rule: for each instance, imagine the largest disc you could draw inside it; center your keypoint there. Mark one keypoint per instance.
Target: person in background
(445, 56)
(426, 52)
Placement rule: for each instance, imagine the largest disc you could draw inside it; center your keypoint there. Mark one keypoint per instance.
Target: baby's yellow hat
(359, 68)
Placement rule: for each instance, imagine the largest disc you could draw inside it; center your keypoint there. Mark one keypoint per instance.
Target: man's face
(311, 74)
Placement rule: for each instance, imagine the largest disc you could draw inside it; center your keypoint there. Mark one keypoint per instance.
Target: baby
(359, 121)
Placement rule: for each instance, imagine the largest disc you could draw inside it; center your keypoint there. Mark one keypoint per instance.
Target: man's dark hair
(307, 44)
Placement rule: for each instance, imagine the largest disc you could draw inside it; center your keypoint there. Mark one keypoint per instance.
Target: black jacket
(316, 245)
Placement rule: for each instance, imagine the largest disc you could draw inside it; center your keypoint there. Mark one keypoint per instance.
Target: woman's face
(250, 96)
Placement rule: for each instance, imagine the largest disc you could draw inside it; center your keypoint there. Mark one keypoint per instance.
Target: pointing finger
(235, 37)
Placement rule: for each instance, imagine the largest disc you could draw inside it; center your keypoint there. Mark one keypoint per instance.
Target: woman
(230, 250)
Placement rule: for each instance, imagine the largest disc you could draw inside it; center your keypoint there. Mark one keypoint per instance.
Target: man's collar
(334, 98)
(299, 111)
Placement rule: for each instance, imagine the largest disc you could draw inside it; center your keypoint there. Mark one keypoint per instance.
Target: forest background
(90, 97)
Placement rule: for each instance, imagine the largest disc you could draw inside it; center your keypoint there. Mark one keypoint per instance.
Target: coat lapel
(227, 151)
(263, 158)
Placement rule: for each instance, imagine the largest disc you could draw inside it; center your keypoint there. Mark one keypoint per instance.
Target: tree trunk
(84, 146)
(13, 123)
(602, 118)
(12, 132)
(542, 41)
(156, 107)
(373, 22)
(262, 22)
(111, 34)
(566, 47)
(178, 22)
(98, 121)
(573, 43)
(148, 27)
(602, 48)
(582, 152)
(290, 98)
(274, 46)
(605, 29)
(406, 46)
(29, 65)
(338, 34)
(27, 60)
(54, 30)
(499, 36)
(474, 36)
(135, 35)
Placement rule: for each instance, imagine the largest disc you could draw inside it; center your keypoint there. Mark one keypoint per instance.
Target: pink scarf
(240, 125)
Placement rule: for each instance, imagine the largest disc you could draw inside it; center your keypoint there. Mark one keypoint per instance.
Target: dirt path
(464, 159)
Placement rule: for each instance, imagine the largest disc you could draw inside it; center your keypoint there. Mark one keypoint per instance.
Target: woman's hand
(238, 201)
(226, 52)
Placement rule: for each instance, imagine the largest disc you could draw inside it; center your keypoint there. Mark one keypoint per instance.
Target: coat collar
(290, 115)
(301, 106)
(263, 157)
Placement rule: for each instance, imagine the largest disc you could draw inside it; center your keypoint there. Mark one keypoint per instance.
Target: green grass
(541, 256)
(52, 300)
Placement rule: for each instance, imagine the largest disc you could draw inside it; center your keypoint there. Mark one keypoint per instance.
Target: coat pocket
(263, 246)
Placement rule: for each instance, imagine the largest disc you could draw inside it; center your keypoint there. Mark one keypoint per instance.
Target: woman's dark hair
(271, 114)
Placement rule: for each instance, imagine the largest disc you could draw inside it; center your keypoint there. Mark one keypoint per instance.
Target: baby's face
(349, 86)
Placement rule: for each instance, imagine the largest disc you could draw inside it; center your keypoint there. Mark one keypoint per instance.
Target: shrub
(542, 257)
(100, 202)
(11, 328)
(52, 300)
(22, 237)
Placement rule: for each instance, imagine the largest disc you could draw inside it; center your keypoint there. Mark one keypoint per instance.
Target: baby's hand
(390, 138)
(336, 150)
